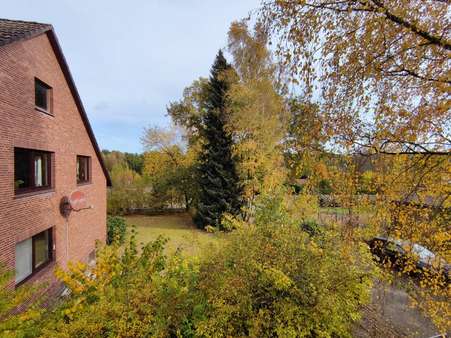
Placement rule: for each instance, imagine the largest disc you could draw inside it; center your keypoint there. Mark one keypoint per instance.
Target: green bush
(271, 279)
(128, 294)
(311, 227)
(325, 187)
(116, 229)
(25, 323)
(296, 188)
(267, 279)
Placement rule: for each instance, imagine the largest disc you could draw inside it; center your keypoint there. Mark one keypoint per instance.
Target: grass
(178, 228)
(331, 210)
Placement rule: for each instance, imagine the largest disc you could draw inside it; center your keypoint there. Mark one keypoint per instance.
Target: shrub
(15, 323)
(311, 227)
(270, 279)
(325, 187)
(116, 229)
(297, 188)
(267, 279)
(129, 294)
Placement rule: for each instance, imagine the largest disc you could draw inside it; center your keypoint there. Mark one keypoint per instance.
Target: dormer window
(42, 96)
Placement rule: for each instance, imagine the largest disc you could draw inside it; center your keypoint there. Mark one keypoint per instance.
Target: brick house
(47, 151)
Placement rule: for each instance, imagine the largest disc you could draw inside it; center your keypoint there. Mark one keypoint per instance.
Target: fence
(340, 216)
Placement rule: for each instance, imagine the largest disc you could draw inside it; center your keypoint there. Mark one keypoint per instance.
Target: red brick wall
(21, 125)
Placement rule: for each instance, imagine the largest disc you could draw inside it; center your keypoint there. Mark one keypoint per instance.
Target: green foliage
(367, 183)
(112, 158)
(267, 279)
(305, 140)
(247, 114)
(12, 322)
(129, 185)
(128, 191)
(135, 162)
(311, 227)
(188, 111)
(270, 279)
(296, 188)
(128, 294)
(220, 188)
(272, 209)
(116, 229)
(325, 187)
(116, 298)
(170, 173)
(257, 113)
(115, 157)
(169, 167)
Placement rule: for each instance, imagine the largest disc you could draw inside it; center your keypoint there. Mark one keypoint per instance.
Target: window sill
(84, 183)
(33, 193)
(43, 111)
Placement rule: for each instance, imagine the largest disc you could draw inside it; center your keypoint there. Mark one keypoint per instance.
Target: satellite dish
(76, 201)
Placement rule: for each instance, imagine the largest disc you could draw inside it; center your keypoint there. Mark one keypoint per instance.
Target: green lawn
(331, 210)
(178, 228)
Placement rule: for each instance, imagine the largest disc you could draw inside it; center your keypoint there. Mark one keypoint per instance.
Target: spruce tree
(219, 185)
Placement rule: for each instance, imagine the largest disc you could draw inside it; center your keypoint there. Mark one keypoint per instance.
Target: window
(33, 254)
(32, 170)
(42, 96)
(83, 170)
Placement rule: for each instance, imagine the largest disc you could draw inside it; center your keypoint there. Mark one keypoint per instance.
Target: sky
(129, 59)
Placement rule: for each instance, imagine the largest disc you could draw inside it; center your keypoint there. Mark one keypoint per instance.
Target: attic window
(83, 169)
(42, 96)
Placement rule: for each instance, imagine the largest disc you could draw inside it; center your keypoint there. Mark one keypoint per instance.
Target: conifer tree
(220, 189)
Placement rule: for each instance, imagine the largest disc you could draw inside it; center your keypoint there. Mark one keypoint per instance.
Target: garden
(252, 213)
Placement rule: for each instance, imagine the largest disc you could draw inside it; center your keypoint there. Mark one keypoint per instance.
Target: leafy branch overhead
(379, 70)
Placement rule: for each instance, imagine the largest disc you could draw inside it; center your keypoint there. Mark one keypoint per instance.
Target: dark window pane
(32, 169)
(82, 169)
(22, 169)
(41, 244)
(41, 95)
